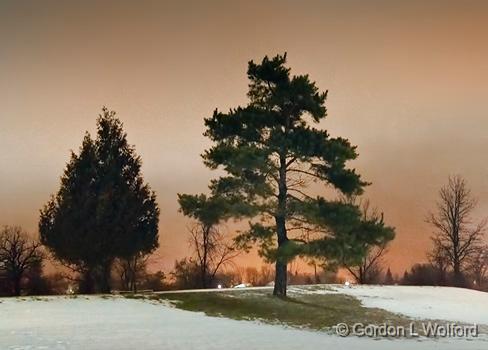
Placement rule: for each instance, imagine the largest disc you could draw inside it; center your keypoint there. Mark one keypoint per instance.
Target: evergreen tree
(389, 280)
(271, 153)
(103, 209)
(406, 277)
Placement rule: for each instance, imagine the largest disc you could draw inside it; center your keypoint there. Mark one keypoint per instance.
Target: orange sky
(407, 83)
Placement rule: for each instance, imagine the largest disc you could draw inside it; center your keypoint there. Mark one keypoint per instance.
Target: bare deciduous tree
(456, 236)
(18, 253)
(130, 270)
(478, 266)
(314, 263)
(440, 261)
(212, 251)
(212, 248)
(267, 274)
(370, 268)
(252, 276)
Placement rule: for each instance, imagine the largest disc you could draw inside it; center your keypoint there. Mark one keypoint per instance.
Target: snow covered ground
(434, 303)
(116, 323)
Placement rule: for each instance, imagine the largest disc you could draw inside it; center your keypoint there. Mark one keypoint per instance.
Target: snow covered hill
(434, 303)
(103, 323)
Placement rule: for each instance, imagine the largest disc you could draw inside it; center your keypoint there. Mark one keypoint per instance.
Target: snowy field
(116, 323)
(441, 303)
(434, 303)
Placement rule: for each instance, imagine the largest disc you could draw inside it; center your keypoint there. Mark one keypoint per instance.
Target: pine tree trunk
(281, 275)
(280, 218)
(205, 247)
(280, 279)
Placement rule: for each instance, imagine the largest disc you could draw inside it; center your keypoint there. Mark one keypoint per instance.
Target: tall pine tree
(271, 153)
(103, 210)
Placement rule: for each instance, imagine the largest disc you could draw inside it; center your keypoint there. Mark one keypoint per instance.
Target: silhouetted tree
(456, 238)
(405, 277)
(330, 276)
(186, 273)
(131, 270)
(35, 281)
(153, 281)
(271, 153)
(103, 209)
(266, 275)
(368, 269)
(58, 283)
(439, 259)
(389, 280)
(18, 254)
(212, 249)
(314, 264)
(228, 277)
(422, 275)
(252, 276)
(477, 266)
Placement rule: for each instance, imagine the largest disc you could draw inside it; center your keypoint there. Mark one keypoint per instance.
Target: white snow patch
(434, 303)
(86, 323)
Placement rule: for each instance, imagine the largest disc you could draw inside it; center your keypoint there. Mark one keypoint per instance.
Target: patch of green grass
(138, 296)
(314, 311)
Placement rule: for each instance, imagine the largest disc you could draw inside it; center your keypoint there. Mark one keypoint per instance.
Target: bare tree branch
(18, 253)
(455, 236)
